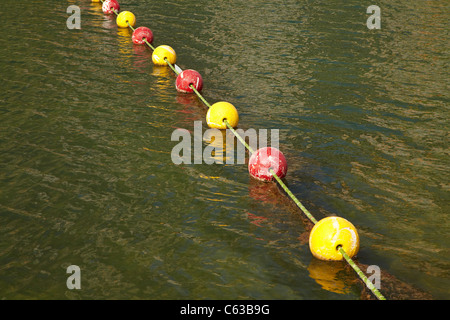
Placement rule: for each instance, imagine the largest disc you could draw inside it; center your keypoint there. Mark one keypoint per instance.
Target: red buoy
(186, 78)
(142, 33)
(109, 6)
(265, 158)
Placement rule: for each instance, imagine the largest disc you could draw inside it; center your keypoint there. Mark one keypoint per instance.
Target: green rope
(200, 96)
(171, 66)
(294, 198)
(131, 27)
(149, 44)
(361, 275)
(238, 136)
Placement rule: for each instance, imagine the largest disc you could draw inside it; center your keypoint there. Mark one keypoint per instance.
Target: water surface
(86, 176)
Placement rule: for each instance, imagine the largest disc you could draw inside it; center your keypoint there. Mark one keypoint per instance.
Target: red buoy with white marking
(264, 159)
(141, 34)
(186, 78)
(109, 6)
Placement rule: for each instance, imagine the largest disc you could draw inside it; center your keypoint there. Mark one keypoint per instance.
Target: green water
(86, 176)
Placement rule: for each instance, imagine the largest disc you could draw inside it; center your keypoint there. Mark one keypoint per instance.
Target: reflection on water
(329, 275)
(86, 175)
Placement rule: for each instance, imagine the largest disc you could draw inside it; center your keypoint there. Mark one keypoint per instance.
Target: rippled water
(86, 176)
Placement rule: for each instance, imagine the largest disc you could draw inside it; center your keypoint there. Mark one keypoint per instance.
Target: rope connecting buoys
(331, 238)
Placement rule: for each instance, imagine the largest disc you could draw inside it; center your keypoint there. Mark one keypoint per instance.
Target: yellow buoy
(331, 233)
(124, 18)
(164, 52)
(220, 111)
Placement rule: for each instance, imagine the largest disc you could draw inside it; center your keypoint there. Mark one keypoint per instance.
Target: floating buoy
(264, 159)
(124, 18)
(331, 233)
(142, 33)
(164, 52)
(220, 111)
(187, 78)
(109, 6)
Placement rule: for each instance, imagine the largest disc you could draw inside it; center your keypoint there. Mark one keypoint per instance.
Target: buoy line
(332, 238)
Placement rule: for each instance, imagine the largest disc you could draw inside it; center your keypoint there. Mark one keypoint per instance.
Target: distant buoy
(124, 18)
(141, 34)
(187, 78)
(164, 52)
(331, 233)
(109, 6)
(264, 159)
(220, 111)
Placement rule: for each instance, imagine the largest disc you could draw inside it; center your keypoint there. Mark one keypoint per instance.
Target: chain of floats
(361, 274)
